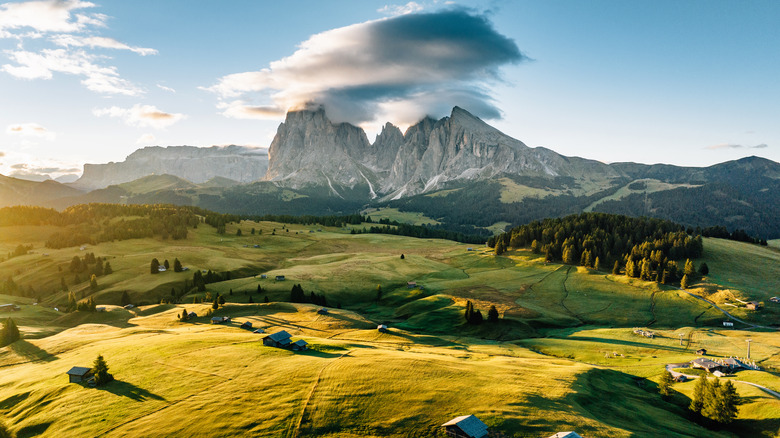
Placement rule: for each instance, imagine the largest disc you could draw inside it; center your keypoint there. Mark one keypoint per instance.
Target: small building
(161, 268)
(192, 315)
(263, 276)
(465, 426)
(717, 373)
(566, 435)
(382, 328)
(411, 284)
(255, 246)
(220, 319)
(9, 308)
(731, 364)
(753, 305)
(246, 325)
(728, 324)
(100, 309)
(469, 249)
(280, 278)
(79, 374)
(184, 268)
(323, 311)
(259, 331)
(128, 306)
(775, 300)
(299, 345)
(701, 351)
(706, 364)
(279, 340)
(680, 378)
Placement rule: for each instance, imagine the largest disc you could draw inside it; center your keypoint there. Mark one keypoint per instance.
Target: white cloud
(735, 146)
(408, 8)
(30, 130)
(101, 79)
(142, 116)
(102, 42)
(48, 16)
(35, 167)
(146, 139)
(67, 21)
(361, 70)
(164, 88)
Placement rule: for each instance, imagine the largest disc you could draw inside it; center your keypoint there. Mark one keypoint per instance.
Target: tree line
(647, 247)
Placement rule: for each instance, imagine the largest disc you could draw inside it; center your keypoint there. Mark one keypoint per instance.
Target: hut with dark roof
(79, 374)
(465, 426)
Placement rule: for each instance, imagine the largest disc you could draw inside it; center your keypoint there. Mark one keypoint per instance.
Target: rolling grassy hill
(541, 369)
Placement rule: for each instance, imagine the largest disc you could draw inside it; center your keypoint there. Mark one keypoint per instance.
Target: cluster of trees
(716, 401)
(10, 333)
(200, 281)
(738, 235)
(327, 221)
(85, 305)
(648, 247)
(20, 250)
(90, 265)
(474, 316)
(297, 295)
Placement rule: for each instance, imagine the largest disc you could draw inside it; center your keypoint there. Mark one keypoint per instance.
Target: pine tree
(704, 269)
(184, 316)
(665, 385)
(493, 314)
(251, 301)
(100, 370)
(646, 273)
(238, 232)
(616, 268)
(93, 285)
(71, 302)
(166, 264)
(469, 311)
(689, 268)
(730, 403)
(107, 269)
(378, 293)
(63, 285)
(177, 265)
(215, 304)
(684, 283)
(713, 402)
(596, 263)
(699, 393)
(500, 247)
(476, 318)
(265, 300)
(125, 300)
(221, 300)
(154, 268)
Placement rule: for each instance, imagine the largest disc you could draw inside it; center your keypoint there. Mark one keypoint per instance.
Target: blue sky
(687, 83)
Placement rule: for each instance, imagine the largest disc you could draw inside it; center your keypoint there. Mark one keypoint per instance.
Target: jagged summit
(310, 150)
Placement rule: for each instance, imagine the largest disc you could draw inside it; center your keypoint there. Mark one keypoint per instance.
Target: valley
(563, 344)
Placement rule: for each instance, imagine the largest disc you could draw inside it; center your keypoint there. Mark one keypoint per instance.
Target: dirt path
(730, 316)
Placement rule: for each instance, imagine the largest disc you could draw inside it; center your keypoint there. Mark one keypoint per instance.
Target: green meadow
(563, 355)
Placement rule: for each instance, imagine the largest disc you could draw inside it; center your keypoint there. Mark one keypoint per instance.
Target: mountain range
(459, 170)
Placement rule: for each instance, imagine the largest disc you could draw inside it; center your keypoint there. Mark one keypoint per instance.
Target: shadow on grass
(32, 430)
(126, 389)
(31, 352)
(317, 353)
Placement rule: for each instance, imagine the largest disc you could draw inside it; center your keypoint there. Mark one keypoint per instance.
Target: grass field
(562, 357)
(393, 214)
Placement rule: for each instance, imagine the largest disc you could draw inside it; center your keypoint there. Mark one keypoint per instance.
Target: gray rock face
(309, 150)
(198, 165)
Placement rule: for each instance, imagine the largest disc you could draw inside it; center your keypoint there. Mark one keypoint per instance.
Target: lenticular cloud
(419, 64)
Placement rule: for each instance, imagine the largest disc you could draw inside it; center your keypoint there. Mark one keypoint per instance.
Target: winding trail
(670, 367)
(730, 316)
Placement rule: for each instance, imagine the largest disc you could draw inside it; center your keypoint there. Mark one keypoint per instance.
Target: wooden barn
(465, 426)
(280, 278)
(753, 305)
(79, 374)
(279, 340)
(299, 345)
(382, 328)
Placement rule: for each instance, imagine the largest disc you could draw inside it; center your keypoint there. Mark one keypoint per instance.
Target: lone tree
(616, 268)
(100, 368)
(93, 286)
(125, 300)
(685, 282)
(402, 257)
(177, 265)
(154, 268)
(184, 316)
(10, 333)
(107, 269)
(665, 385)
(704, 269)
(493, 314)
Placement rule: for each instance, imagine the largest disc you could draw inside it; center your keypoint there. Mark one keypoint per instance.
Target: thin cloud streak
(735, 146)
(426, 61)
(142, 116)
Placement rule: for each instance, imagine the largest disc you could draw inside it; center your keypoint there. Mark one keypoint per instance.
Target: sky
(689, 83)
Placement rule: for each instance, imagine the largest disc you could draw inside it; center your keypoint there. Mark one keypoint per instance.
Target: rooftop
(469, 424)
